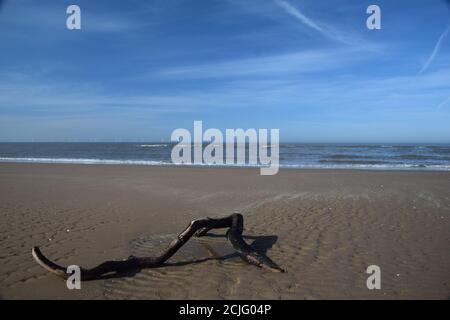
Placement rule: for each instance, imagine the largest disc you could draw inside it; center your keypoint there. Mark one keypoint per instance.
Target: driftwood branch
(199, 227)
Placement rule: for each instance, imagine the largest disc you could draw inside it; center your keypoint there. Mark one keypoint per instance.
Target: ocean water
(292, 155)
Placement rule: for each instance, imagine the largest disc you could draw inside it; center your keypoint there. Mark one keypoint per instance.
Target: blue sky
(139, 69)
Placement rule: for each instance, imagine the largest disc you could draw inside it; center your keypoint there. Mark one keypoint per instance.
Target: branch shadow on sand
(261, 244)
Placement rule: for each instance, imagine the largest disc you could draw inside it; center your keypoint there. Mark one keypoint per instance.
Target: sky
(139, 69)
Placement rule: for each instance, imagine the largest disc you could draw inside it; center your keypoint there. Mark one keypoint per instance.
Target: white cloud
(293, 63)
(43, 16)
(299, 15)
(443, 103)
(436, 49)
(325, 31)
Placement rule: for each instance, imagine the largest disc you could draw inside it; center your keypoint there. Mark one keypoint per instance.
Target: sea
(376, 156)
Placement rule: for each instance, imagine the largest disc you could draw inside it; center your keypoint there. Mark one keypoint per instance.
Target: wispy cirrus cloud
(293, 11)
(436, 49)
(52, 19)
(443, 103)
(322, 29)
(293, 63)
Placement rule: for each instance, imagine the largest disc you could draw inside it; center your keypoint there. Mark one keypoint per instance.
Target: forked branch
(199, 227)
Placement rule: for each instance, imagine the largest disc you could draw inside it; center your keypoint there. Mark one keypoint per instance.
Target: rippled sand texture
(324, 227)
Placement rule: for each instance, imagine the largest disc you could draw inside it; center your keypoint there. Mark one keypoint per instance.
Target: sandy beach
(325, 227)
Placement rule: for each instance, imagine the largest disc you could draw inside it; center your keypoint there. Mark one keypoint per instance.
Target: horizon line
(174, 142)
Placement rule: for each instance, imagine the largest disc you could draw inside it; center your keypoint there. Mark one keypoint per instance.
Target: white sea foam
(152, 145)
(286, 166)
(82, 161)
(369, 167)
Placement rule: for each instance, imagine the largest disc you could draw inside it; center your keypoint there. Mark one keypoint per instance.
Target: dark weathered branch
(199, 227)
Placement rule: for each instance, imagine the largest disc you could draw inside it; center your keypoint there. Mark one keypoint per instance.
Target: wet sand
(323, 226)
